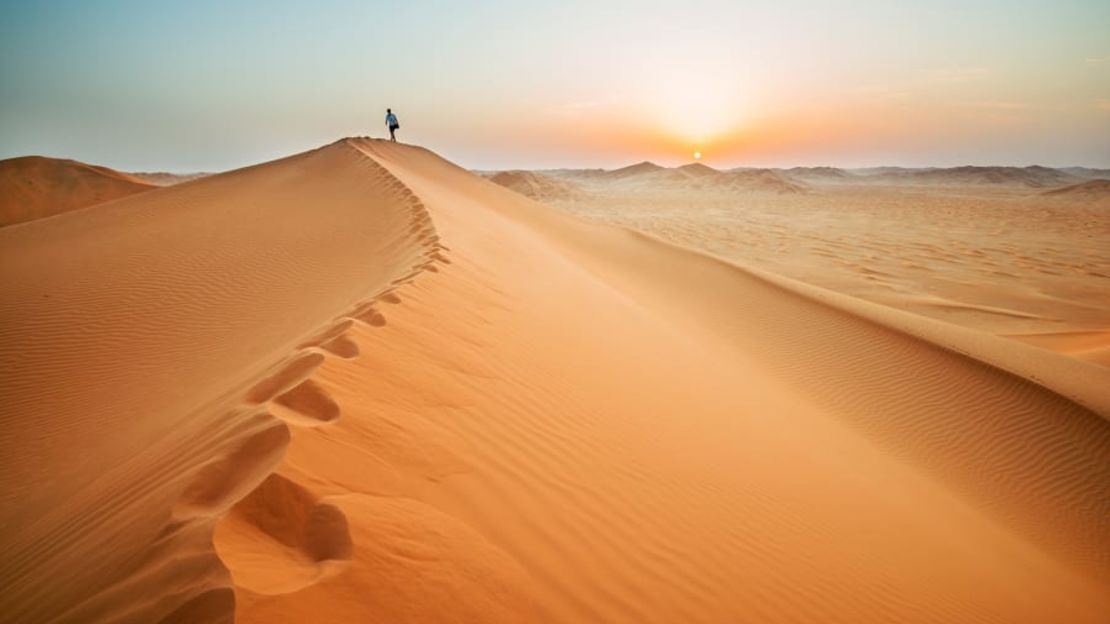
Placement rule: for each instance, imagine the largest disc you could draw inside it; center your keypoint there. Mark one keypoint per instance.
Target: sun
(697, 155)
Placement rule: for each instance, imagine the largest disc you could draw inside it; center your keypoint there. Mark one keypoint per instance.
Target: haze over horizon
(207, 86)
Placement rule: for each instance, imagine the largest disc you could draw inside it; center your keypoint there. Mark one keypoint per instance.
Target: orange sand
(362, 384)
(982, 247)
(33, 187)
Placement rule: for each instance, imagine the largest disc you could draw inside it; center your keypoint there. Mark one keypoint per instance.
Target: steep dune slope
(597, 427)
(380, 388)
(33, 187)
(132, 334)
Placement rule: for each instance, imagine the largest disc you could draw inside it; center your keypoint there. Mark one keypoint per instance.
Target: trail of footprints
(243, 475)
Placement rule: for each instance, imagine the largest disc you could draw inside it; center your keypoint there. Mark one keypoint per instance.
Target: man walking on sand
(391, 122)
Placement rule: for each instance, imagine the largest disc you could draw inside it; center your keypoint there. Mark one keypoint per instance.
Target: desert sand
(1017, 252)
(363, 384)
(34, 187)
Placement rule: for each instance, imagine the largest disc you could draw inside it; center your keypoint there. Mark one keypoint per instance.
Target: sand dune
(1090, 187)
(1088, 173)
(1028, 177)
(33, 187)
(819, 175)
(636, 170)
(133, 334)
(163, 178)
(362, 384)
(765, 180)
(698, 170)
(536, 185)
(653, 179)
(1091, 191)
(699, 177)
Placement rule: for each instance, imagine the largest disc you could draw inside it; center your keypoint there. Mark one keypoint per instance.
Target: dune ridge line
(223, 463)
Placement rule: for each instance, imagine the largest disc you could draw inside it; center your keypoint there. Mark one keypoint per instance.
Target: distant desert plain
(363, 384)
(1022, 252)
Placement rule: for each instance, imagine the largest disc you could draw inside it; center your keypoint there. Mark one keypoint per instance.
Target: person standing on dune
(391, 122)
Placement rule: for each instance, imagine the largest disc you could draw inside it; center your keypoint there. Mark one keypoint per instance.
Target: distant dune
(1089, 190)
(1029, 177)
(33, 187)
(766, 180)
(702, 177)
(1088, 172)
(639, 169)
(163, 178)
(536, 185)
(362, 384)
(698, 170)
(819, 175)
(798, 179)
(648, 177)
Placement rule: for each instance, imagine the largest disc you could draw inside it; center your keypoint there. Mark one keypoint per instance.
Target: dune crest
(167, 393)
(536, 185)
(417, 396)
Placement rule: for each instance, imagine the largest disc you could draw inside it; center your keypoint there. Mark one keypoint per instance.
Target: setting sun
(697, 155)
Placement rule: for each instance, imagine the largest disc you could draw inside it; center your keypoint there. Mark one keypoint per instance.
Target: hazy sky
(208, 85)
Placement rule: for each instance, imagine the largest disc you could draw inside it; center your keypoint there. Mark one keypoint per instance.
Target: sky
(209, 86)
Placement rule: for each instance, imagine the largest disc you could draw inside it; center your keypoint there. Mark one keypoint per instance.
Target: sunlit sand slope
(362, 384)
(143, 341)
(574, 423)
